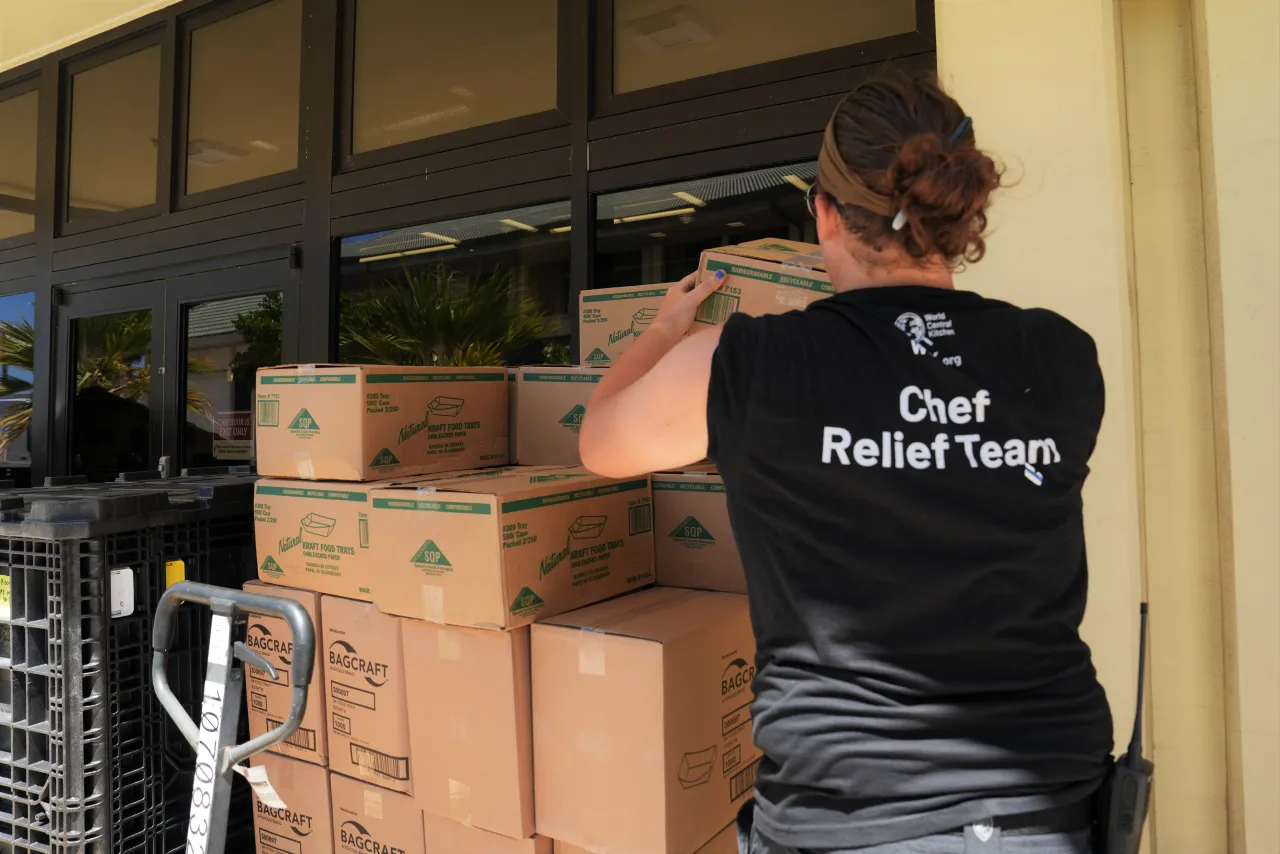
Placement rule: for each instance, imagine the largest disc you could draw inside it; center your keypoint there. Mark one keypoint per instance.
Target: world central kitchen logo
(344, 655)
(297, 821)
(258, 637)
(583, 528)
(355, 837)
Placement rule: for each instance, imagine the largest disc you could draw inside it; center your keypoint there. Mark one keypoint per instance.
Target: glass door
(160, 376)
(110, 401)
(227, 324)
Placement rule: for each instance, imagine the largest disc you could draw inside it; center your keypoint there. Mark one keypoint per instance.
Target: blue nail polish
(719, 275)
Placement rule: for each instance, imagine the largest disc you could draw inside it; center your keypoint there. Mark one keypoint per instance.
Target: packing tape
(449, 645)
(425, 490)
(459, 801)
(811, 261)
(590, 653)
(433, 603)
(304, 464)
(306, 369)
(373, 803)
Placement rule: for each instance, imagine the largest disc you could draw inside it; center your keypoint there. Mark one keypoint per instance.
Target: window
(425, 69)
(489, 289)
(111, 411)
(115, 121)
(662, 41)
(655, 234)
(17, 381)
(18, 163)
(243, 115)
(227, 341)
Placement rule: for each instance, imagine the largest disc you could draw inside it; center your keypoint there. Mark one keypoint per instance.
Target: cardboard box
(470, 729)
(642, 721)
(693, 541)
(305, 824)
(371, 820)
(451, 837)
(269, 700)
(611, 319)
(313, 536)
(496, 552)
(552, 404)
(725, 842)
(763, 277)
(513, 413)
(364, 422)
(365, 694)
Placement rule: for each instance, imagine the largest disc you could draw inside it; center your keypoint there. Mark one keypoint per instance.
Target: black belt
(1064, 819)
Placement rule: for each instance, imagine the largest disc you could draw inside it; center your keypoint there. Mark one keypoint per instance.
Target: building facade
(196, 188)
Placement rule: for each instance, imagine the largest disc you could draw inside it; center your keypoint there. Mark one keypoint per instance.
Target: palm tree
(112, 354)
(439, 317)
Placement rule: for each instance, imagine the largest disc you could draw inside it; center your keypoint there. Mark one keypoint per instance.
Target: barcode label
(743, 781)
(268, 413)
(272, 843)
(393, 767)
(716, 308)
(303, 739)
(640, 518)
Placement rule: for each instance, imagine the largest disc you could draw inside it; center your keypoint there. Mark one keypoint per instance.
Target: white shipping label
(257, 777)
(122, 595)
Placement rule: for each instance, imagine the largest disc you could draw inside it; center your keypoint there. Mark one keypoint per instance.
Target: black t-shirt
(903, 468)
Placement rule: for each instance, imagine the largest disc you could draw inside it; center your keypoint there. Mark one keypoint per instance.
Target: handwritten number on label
(206, 770)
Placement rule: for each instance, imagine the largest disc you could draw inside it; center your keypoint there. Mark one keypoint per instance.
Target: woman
(903, 464)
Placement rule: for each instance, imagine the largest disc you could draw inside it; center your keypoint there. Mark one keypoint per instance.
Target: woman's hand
(681, 303)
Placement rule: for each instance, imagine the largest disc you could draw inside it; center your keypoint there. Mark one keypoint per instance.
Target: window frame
(153, 36)
(610, 103)
(186, 27)
(350, 161)
(457, 207)
(23, 84)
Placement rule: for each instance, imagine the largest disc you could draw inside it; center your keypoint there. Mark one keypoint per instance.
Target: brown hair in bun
(908, 140)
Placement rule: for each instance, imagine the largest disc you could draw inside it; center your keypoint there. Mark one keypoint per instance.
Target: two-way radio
(1123, 801)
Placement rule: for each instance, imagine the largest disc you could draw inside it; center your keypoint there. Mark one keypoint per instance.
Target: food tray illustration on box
(696, 767)
(587, 527)
(321, 526)
(446, 407)
(642, 318)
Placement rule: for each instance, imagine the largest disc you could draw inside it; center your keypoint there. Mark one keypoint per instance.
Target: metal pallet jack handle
(213, 738)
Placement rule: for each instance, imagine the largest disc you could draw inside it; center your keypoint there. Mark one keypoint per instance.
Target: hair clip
(959, 132)
(900, 221)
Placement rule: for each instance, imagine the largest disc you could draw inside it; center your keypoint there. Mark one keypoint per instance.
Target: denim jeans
(976, 839)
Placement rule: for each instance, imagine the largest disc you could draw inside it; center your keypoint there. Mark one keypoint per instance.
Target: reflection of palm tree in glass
(112, 354)
(439, 317)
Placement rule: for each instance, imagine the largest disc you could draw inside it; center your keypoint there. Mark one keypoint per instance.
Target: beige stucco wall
(1180, 503)
(1144, 139)
(1238, 64)
(1042, 82)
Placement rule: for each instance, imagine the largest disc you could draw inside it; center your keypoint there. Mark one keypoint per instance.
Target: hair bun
(943, 193)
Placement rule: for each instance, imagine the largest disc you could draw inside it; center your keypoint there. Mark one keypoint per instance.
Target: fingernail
(719, 275)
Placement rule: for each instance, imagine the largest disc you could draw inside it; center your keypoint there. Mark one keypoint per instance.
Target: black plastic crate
(88, 760)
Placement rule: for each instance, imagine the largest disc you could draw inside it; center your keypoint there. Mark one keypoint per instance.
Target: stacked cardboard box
(437, 565)
(642, 721)
(493, 671)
